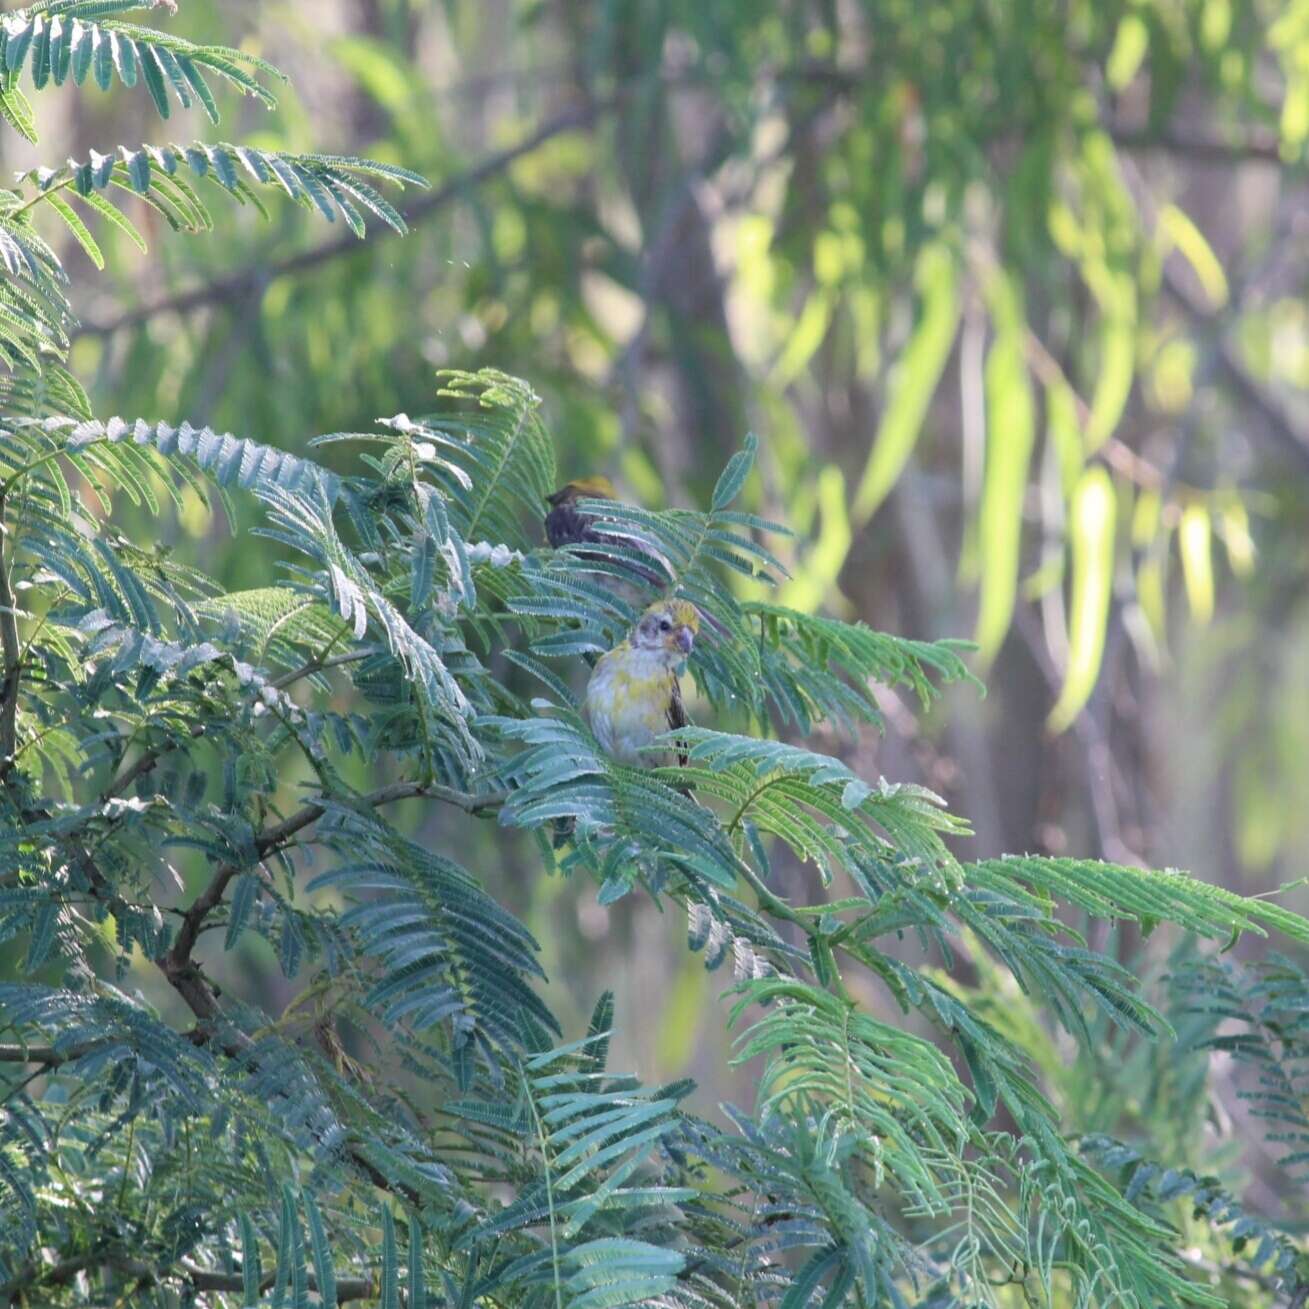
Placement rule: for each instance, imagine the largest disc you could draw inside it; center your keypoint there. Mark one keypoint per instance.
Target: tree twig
(142, 765)
(177, 965)
(12, 652)
(311, 666)
(147, 760)
(36, 1276)
(347, 1288)
(1209, 149)
(33, 1054)
(1211, 326)
(234, 286)
(30, 1277)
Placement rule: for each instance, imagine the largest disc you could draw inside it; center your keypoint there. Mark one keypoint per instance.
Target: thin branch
(49, 1056)
(58, 1274)
(177, 962)
(142, 765)
(235, 286)
(1115, 452)
(1261, 148)
(12, 653)
(1211, 326)
(147, 760)
(1254, 149)
(1097, 757)
(312, 666)
(200, 995)
(273, 838)
(36, 1276)
(347, 1288)
(33, 1054)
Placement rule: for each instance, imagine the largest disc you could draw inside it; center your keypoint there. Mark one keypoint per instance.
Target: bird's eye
(665, 625)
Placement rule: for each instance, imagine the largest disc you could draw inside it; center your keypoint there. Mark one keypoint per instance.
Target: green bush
(414, 1121)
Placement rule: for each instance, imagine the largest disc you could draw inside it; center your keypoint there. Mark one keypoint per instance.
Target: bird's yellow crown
(682, 612)
(595, 488)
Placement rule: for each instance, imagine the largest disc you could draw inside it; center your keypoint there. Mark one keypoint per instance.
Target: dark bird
(565, 523)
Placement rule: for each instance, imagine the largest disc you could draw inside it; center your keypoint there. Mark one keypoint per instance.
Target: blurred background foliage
(1012, 292)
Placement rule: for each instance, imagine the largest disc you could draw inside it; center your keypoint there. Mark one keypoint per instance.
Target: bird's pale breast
(627, 703)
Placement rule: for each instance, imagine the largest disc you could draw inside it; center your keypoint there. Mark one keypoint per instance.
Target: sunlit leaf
(1010, 435)
(1180, 230)
(1091, 524)
(1113, 382)
(1195, 544)
(1131, 43)
(1065, 434)
(914, 382)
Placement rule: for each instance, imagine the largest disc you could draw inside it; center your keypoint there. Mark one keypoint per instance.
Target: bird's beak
(685, 639)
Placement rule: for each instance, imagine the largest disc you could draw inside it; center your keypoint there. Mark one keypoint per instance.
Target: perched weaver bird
(565, 524)
(634, 695)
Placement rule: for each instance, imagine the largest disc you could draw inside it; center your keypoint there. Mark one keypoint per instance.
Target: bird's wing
(564, 525)
(598, 703)
(677, 714)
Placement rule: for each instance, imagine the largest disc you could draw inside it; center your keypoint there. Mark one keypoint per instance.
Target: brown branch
(51, 1057)
(56, 1275)
(311, 666)
(147, 760)
(36, 1277)
(143, 764)
(12, 654)
(34, 1054)
(199, 994)
(1097, 758)
(202, 1279)
(1254, 149)
(1115, 452)
(1274, 418)
(177, 965)
(235, 286)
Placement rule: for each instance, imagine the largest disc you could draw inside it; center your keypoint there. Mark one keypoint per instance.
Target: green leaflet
(916, 377)
(1195, 545)
(1177, 229)
(1064, 433)
(1010, 435)
(331, 184)
(250, 1270)
(1091, 527)
(73, 40)
(1113, 383)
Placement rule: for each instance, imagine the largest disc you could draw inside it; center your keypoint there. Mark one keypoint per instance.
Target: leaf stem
(39, 196)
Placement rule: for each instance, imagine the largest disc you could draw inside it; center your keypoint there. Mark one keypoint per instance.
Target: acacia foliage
(186, 769)
(152, 716)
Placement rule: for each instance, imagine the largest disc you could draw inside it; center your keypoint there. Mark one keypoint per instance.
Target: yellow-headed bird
(634, 695)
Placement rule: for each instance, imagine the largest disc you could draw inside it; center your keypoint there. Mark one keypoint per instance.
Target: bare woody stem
(233, 288)
(12, 652)
(176, 962)
(146, 761)
(35, 1277)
